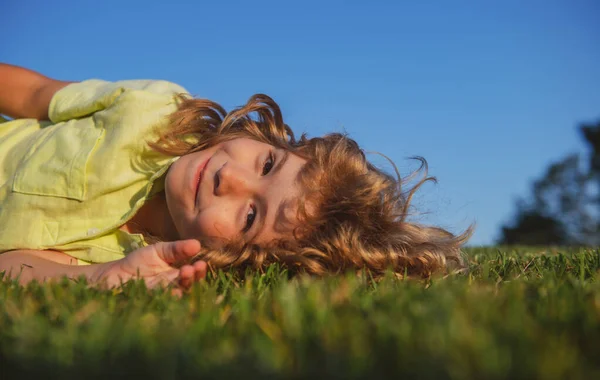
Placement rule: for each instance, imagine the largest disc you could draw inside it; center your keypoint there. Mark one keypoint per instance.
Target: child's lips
(199, 176)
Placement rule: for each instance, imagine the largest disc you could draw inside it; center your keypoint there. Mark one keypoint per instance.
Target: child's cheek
(212, 233)
(213, 224)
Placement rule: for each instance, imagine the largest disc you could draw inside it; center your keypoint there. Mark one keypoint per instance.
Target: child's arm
(25, 93)
(156, 264)
(29, 265)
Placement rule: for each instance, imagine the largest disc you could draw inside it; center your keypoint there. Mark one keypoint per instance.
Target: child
(137, 178)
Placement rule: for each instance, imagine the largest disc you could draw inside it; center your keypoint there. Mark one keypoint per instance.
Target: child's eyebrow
(280, 163)
(280, 216)
(282, 205)
(280, 219)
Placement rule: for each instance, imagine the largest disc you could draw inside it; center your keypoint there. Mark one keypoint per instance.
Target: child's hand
(157, 264)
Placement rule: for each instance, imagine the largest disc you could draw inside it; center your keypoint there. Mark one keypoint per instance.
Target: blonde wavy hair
(352, 216)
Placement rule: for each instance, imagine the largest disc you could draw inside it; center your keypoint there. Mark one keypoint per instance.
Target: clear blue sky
(488, 94)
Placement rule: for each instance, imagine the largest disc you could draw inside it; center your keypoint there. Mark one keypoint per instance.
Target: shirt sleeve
(82, 99)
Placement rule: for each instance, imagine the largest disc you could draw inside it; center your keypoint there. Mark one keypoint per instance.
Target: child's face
(240, 188)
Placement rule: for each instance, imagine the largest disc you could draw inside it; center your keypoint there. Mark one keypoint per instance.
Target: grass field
(519, 313)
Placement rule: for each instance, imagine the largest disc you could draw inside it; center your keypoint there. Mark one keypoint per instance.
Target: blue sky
(489, 92)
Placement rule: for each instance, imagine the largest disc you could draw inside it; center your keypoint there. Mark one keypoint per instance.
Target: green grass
(519, 313)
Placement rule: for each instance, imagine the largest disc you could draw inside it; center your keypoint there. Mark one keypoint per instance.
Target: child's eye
(250, 218)
(268, 166)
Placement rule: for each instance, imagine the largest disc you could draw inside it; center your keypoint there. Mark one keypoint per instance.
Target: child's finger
(200, 269)
(162, 279)
(175, 251)
(186, 276)
(177, 292)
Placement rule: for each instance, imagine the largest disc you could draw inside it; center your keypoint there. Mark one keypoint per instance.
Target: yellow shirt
(70, 183)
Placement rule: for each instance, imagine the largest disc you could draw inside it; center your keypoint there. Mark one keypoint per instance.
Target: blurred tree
(565, 206)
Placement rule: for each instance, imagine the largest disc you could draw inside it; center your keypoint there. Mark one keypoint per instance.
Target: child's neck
(153, 219)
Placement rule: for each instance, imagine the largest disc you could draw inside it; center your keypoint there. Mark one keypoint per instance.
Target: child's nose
(234, 179)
